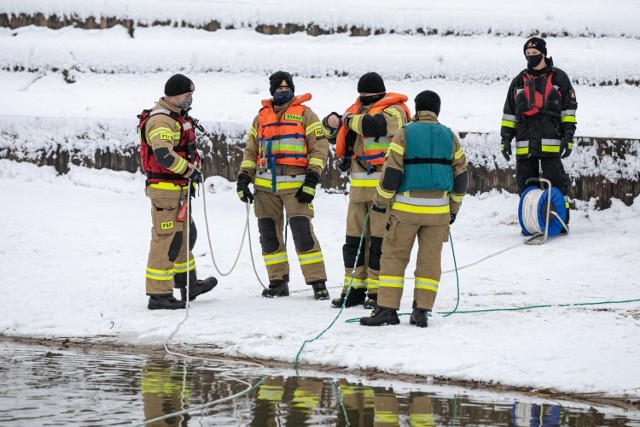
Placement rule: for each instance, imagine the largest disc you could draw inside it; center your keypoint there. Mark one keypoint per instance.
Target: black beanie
(536, 43)
(428, 101)
(177, 85)
(276, 78)
(371, 83)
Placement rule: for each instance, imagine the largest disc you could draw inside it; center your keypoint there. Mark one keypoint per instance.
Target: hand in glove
(333, 120)
(307, 192)
(242, 187)
(505, 149)
(565, 148)
(196, 175)
(452, 218)
(379, 209)
(345, 164)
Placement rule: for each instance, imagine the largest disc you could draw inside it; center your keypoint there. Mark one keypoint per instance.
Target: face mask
(186, 103)
(282, 97)
(370, 99)
(534, 60)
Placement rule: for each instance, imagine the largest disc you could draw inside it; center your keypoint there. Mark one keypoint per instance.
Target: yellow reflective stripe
(305, 399)
(248, 164)
(373, 283)
(312, 127)
(385, 194)
(456, 197)
(154, 274)
(523, 150)
(426, 420)
(277, 258)
(394, 112)
(364, 182)
(355, 122)
(314, 161)
(180, 167)
(261, 182)
(356, 284)
(458, 154)
(397, 148)
(429, 210)
(165, 133)
(310, 258)
(427, 284)
(508, 124)
(549, 149)
(386, 417)
(253, 132)
(391, 281)
(568, 119)
(271, 393)
(166, 186)
(570, 145)
(181, 267)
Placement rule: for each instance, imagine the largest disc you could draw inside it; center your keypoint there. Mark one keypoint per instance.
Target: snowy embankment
(74, 250)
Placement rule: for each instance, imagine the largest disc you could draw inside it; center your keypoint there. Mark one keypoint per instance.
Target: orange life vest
(282, 141)
(186, 148)
(374, 148)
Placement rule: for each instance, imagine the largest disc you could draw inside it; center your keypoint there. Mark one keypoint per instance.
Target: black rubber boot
(277, 288)
(371, 301)
(165, 302)
(356, 297)
(419, 318)
(320, 291)
(381, 316)
(199, 288)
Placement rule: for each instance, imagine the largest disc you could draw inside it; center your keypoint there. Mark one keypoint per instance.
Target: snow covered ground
(73, 248)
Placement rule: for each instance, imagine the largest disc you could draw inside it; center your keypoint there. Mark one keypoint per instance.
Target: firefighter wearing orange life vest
(362, 135)
(540, 112)
(171, 162)
(285, 154)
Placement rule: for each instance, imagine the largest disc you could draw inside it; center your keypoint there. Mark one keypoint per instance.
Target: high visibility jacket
(374, 148)
(282, 142)
(186, 148)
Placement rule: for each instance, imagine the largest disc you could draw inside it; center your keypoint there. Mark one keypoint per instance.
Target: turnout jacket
(434, 206)
(289, 173)
(364, 178)
(540, 111)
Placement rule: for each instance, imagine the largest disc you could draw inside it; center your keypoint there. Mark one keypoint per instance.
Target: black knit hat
(371, 83)
(177, 85)
(428, 101)
(276, 78)
(536, 43)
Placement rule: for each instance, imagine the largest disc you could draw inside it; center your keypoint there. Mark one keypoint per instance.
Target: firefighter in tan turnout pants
(424, 178)
(285, 154)
(362, 136)
(170, 161)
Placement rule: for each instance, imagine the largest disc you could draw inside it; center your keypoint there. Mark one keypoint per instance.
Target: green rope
(344, 301)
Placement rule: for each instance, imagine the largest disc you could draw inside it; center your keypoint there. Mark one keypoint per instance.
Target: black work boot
(277, 288)
(356, 297)
(419, 317)
(199, 288)
(372, 301)
(381, 316)
(164, 302)
(320, 291)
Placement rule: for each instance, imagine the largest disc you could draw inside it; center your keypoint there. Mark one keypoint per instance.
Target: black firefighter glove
(242, 187)
(379, 209)
(307, 192)
(566, 146)
(505, 149)
(345, 164)
(452, 218)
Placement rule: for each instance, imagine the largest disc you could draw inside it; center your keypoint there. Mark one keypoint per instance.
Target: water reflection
(61, 386)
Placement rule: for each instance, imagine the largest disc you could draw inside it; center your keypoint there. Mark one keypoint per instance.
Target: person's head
(281, 87)
(428, 100)
(178, 91)
(535, 51)
(371, 88)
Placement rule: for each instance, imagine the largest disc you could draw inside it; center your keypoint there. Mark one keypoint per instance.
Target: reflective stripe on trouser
(357, 398)
(396, 253)
(386, 411)
(365, 275)
(273, 206)
(160, 272)
(421, 411)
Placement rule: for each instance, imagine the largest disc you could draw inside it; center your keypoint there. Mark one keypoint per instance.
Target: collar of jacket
(164, 104)
(425, 116)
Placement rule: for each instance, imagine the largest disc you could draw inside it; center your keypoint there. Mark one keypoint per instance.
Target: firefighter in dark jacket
(284, 157)
(540, 111)
(424, 179)
(170, 161)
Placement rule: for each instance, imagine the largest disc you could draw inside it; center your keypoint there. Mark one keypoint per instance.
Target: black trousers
(552, 169)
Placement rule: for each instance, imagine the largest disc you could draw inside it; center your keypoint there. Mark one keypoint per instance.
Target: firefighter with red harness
(362, 136)
(285, 154)
(171, 163)
(540, 112)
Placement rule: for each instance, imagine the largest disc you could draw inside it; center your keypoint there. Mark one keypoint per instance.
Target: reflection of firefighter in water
(287, 402)
(165, 389)
(525, 414)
